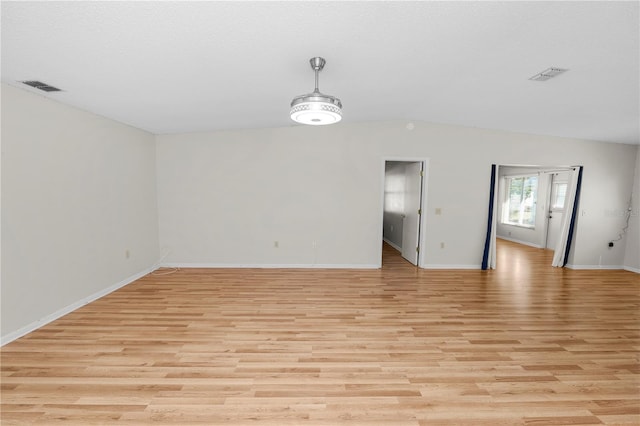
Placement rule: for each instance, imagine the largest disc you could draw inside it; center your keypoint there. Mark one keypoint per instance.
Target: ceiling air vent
(42, 86)
(547, 74)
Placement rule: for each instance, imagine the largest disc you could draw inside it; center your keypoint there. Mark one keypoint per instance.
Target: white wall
(78, 190)
(225, 197)
(632, 236)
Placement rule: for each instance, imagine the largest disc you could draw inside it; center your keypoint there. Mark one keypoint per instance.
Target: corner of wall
(632, 248)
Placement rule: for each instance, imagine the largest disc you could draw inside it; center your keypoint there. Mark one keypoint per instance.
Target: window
(559, 193)
(520, 202)
(394, 193)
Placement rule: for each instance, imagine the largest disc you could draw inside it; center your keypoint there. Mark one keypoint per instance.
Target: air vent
(547, 74)
(42, 86)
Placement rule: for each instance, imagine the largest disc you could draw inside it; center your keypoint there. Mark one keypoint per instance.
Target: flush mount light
(316, 108)
(548, 73)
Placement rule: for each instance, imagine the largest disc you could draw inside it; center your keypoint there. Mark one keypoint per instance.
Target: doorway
(404, 183)
(531, 202)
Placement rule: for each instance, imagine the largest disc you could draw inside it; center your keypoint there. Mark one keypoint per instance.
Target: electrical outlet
(441, 245)
(276, 244)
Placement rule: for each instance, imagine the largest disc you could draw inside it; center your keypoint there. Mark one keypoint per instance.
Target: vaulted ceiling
(172, 67)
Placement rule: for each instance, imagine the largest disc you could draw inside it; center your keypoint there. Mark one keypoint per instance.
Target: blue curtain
(563, 248)
(489, 254)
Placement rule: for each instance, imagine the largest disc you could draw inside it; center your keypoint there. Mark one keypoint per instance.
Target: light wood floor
(525, 344)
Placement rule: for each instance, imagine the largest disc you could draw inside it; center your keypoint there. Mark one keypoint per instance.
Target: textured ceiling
(170, 67)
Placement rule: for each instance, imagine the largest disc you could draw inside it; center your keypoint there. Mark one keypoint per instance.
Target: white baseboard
(10, 337)
(526, 243)
(271, 266)
(393, 245)
(630, 269)
(299, 266)
(594, 267)
(432, 266)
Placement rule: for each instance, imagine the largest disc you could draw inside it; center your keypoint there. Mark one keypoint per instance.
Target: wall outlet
(276, 244)
(441, 245)
(610, 243)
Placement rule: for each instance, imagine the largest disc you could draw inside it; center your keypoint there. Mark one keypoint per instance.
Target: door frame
(539, 169)
(422, 224)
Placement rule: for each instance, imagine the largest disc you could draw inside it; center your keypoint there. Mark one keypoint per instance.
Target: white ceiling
(172, 67)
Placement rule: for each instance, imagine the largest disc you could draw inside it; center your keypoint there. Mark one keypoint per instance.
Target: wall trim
(392, 245)
(595, 267)
(10, 337)
(271, 266)
(526, 243)
(433, 266)
(299, 266)
(630, 269)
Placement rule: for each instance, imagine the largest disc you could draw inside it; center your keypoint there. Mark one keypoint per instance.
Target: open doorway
(403, 200)
(532, 204)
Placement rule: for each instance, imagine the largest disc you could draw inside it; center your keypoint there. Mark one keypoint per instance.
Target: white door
(411, 222)
(556, 208)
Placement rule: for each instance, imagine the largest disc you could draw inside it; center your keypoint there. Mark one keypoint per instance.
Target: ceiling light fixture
(316, 108)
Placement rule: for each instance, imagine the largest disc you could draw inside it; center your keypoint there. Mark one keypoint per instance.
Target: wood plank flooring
(526, 344)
